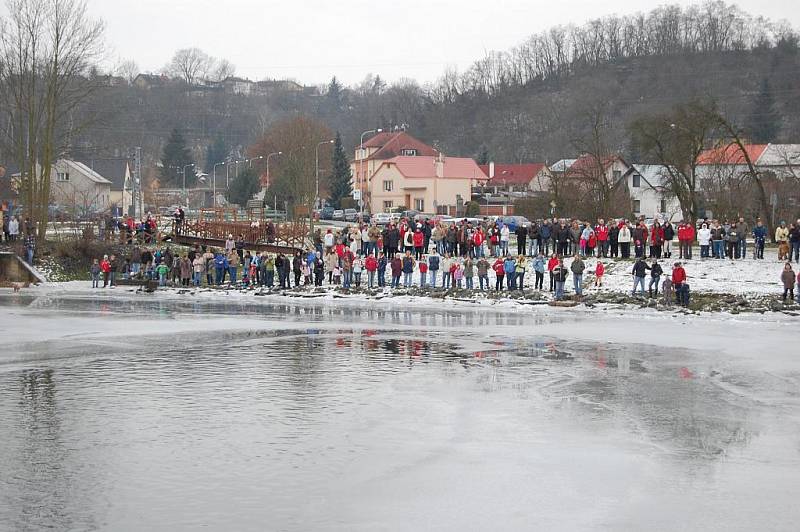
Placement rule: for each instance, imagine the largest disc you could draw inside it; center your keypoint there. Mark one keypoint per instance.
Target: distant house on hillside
(425, 183)
(238, 86)
(150, 81)
(527, 178)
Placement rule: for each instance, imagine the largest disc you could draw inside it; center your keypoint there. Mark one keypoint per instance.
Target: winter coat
(577, 266)
(704, 236)
(678, 276)
(624, 235)
(781, 234)
(498, 268)
(640, 268)
(560, 273)
(469, 268)
(717, 233)
(669, 232)
(545, 231)
(419, 239)
(539, 264)
(760, 232)
(483, 267)
(656, 270)
(509, 266)
(787, 276)
(408, 265)
(433, 263)
(397, 267)
(371, 264)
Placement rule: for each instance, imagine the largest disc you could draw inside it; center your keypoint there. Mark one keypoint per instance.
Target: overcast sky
(312, 40)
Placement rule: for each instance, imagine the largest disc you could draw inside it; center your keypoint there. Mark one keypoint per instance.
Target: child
(337, 275)
(787, 277)
(667, 292)
(598, 274)
(458, 274)
(95, 274)
(162, 271)
(307, 274)
(423, 272)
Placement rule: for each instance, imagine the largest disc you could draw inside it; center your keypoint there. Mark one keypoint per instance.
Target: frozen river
(147, 414)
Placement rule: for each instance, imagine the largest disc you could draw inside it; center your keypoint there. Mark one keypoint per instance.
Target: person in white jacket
(704, 238)
(13, 228)
(624, 239)
(505, 233)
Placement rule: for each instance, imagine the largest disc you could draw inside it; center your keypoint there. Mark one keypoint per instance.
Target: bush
(473, 209)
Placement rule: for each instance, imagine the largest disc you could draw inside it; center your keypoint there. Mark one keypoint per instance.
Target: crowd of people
(21, 234)
(431, 254)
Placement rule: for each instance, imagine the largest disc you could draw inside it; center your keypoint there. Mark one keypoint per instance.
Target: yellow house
(429, 184)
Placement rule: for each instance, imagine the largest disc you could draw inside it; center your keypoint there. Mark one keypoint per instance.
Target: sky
(313, 40)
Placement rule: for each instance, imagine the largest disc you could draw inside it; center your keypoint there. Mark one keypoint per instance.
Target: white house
(650, 195)
(77, 187)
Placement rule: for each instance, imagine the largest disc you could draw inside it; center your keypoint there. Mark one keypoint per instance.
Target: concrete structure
(78, 188)
(430, 184)
(15, 270)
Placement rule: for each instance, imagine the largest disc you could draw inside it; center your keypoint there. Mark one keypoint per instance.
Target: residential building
(382, 147)
(238, 86)
(648, 187)
(430, 184)
(120, 172)
(526, 179)
(78, 188)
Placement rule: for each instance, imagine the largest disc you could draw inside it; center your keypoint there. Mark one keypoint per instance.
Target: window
(62, 176)
(408, 152)
(388, 186)
(637, 180)
(617, 175)
(637, 204)
(419, 204)
(388, 206)
(663, 205)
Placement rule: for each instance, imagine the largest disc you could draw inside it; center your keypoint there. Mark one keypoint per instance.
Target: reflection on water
(345, 421)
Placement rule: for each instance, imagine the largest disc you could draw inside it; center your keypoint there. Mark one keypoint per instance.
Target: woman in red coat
(499, 273)
(419, 243)
(656, 240)
(552, 263)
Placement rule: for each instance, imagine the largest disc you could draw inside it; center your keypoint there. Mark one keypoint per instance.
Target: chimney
(491, 169)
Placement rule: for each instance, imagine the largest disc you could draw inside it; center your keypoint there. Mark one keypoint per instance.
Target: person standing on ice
(655, 278)
(577, 267)
(560, 277)
(704, 238)
(539, 266)
(679, 284)
(639, 272)
(433, 267)
(788, 279)
(759, 239)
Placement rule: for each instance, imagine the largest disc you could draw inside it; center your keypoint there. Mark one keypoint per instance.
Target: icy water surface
(148, 415)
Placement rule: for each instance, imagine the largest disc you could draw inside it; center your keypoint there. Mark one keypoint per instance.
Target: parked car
(326, 213)
(383, 218)
(514, 221)
(350, 215)
(338, 214)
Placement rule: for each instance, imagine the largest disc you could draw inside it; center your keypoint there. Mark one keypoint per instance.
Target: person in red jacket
(601, 232)
(499, 273)
(679, 284)
(419, 242)
(105, 267)
(656, 240)
(423, 271)
(599, 271)
(478, 238)
(552, 263)
(371, 265)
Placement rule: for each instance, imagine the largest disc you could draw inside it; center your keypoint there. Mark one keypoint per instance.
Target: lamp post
(250, 161)
(316, 164)
(228, 173)
(185, 194)
(361, 168)
(214, 184)
(268, 156)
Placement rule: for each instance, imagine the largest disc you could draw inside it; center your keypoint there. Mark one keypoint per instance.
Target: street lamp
(268, 156)
(214, 184)
(250, 161)
(227, 173)
(185, 194)
(316, 163)
(361, 168)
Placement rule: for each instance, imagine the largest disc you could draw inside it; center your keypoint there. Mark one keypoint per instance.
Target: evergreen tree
(341, 178)
(765, 122)
(335, 94)
(175, 158)
(244, 187)
(483, 155)
(217, 153)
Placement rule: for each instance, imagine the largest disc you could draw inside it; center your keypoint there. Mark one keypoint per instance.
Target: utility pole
(136, 189)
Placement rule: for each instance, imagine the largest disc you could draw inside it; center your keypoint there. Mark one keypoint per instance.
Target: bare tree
(676, 140)
(190, 65)
(591, 174)
(127, 69)
(46, 50)
(222, 69)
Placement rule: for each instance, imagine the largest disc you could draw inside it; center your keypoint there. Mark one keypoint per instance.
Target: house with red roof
(381, 147)
(527, 178)
(426, 183)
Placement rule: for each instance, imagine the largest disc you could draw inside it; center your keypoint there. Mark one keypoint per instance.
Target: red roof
(391, 144)
(731, 154)
(513, 174)
(587, 163)
(425, 167)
